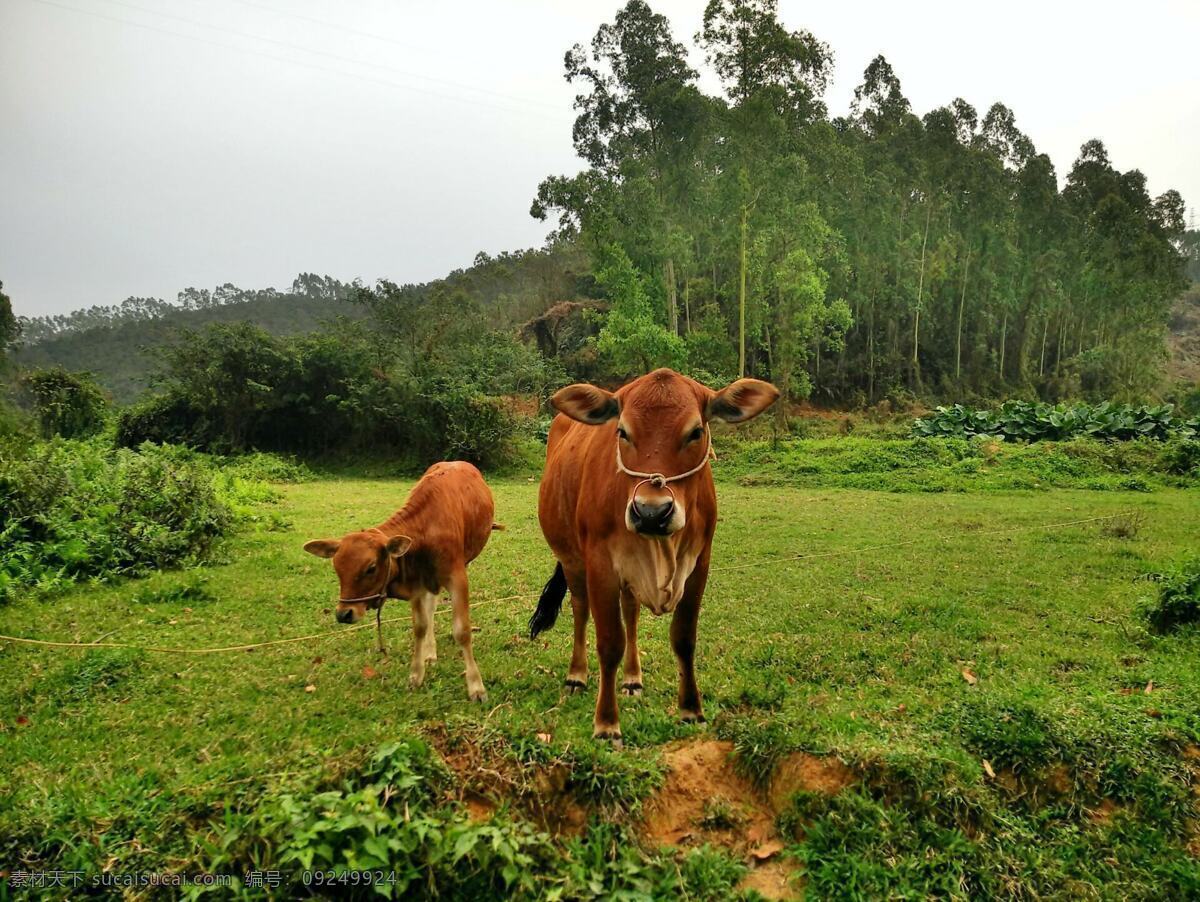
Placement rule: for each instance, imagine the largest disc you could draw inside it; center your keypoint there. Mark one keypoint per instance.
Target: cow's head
(662, 427)
(364, 563)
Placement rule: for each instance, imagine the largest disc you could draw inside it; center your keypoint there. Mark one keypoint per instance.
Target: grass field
(965, 707)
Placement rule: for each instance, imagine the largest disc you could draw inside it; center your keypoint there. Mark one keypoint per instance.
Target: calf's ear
(323, 547)
(397, 545)
(586, 403)
(743, 400)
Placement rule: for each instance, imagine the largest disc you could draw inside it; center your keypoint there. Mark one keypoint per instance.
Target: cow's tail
(549, 604)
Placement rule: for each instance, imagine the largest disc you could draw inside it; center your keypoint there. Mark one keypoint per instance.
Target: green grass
(143, 761)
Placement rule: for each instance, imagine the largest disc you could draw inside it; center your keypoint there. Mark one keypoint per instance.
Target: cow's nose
(652, 518)
(346, 616)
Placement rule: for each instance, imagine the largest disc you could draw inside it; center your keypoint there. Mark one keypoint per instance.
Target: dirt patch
(800, 771)
(704, 800)
(487, 779)
(1103, 813)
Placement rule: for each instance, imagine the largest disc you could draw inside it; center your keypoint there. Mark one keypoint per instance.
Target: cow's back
(454, 508)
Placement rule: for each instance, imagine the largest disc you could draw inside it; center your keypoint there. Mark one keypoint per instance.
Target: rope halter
(660, 481)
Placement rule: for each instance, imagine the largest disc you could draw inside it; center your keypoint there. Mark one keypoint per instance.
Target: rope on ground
(345, 631)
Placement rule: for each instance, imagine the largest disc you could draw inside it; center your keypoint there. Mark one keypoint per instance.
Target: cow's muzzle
(652, 519)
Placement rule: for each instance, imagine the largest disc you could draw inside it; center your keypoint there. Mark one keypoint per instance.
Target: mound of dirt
(704, 800)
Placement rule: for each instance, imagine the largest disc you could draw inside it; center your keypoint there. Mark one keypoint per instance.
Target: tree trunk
(1003, 343)
(915, 371)
(742, 295)
(1042, 360)
(687, 304)
(962, 300)
(672, 298)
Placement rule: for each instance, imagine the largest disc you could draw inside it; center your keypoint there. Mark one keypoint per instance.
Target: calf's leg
(422, 629)
(431, 635)
(460, 599)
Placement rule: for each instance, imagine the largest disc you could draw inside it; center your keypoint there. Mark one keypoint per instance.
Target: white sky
(151, 145)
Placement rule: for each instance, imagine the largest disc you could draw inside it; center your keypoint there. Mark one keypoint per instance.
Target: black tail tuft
(549, 604)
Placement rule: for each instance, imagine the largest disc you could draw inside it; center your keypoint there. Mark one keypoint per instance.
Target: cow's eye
(370, 569)
(695, 435)
(622, 434)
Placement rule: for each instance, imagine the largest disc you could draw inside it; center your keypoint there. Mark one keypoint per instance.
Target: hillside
(118, 344)
(122, 355)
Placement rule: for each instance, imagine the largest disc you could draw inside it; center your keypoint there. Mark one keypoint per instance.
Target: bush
(1031, 422)
(1178, 600)
(67, 404)
(76, 509)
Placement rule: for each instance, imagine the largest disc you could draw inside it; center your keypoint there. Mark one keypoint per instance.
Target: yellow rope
(347, 630)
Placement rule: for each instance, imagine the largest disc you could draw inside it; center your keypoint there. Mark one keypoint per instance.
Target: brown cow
(421, 549)
(628, 506)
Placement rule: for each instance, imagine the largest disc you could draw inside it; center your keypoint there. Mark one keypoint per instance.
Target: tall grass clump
(77, 509)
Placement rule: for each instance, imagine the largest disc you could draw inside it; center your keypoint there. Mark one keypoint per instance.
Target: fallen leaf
(310, 688)
(187, 610)
(767, 850)
(1153, 712)
(543, 737)
(969, 677)
(317, 660)
(901, 708)
(369, 672)
(987, 769)
(173, 622)
(22, 720)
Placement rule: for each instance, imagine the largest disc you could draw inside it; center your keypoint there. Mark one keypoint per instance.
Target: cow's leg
(422, 628)
(683, 641)
(577, 672)
(460, 598)
(633, 661)
(604, 602)
(431, 633)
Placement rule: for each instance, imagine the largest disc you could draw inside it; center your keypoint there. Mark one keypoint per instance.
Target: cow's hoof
(631, 688)
(692, 717)
(479, 695)
(612, 736)
(574, 686)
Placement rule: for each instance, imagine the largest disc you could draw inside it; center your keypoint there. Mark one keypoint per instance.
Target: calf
(421, 549)
(628, 506)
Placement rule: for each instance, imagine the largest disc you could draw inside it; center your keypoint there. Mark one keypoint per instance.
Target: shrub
(76, 509)
(1031, 422)
(67, 404)
(1178, 600)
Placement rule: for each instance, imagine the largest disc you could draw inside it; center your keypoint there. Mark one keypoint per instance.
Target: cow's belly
(655, 572)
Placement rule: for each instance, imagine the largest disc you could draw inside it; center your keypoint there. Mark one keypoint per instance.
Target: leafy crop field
(940, 699)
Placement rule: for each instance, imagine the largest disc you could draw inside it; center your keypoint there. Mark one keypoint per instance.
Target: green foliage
(1178, 599)
(10, 329)
(67, 404)
(1031, 422)
(632, 341)
(70, 510)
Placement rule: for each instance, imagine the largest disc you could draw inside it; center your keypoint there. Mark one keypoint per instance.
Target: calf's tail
(549, 604)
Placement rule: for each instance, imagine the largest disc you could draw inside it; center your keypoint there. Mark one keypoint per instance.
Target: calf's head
(365, 563)
(661, 426)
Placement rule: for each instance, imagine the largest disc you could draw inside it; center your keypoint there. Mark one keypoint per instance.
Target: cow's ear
(586, 403)
(743, 400)
(323, 547)
(397, 545)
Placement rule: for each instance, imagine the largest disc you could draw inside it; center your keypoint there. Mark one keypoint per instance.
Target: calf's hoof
(631, 688)
(415, 680)
(477, 695)
(574, 686)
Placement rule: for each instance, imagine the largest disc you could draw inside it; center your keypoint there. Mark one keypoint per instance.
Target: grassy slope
(860, 654)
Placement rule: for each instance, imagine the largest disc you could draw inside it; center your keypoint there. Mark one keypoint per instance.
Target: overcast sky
(151, 145)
